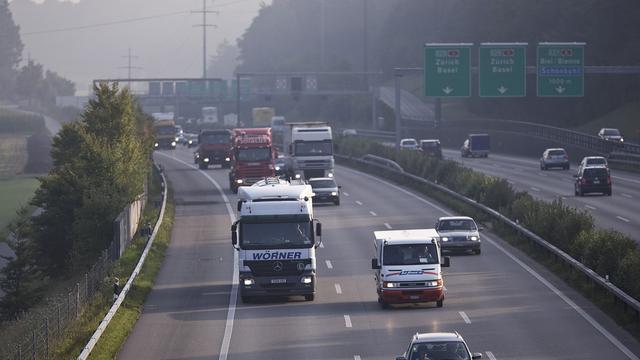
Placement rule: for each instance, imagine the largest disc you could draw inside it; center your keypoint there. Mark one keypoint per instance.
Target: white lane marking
(464, 317)
(625, 179)
(490, 355)
(387, 226)
(590, 207)
(543, 174)
(623, 219)
(359, 202)
(373, 213)
(357, 357)
(594, 323)
(329, 264)
(345, 193)
(233, 298)
(627, 196)
(338, 289)
(535, 188)
(347, 321)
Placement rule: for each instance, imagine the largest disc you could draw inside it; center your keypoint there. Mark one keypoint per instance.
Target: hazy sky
(166, 44)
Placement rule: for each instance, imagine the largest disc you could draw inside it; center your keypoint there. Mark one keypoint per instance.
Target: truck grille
(314, 164)
(277, 267)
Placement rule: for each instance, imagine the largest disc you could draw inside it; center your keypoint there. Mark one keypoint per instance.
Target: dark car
(431, 147)
(281, 164)
(325, 190)
(593, 180)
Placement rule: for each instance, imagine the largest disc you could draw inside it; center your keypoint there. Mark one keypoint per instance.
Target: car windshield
(611, 132)
(409, 143)
(429, 144)
(439, 350)
(557, 152)
(274, 235)
(410, 254)
(257, 154)
(314, 148)
(597, 161)
(455, 225)
(215, 139)
(165, 130)
(322, 184)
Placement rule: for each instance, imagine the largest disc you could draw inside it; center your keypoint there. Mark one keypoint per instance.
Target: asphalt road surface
(619, 211)
(504, 305)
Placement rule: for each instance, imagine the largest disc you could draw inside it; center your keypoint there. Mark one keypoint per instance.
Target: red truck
(214, 148)
(253, 157)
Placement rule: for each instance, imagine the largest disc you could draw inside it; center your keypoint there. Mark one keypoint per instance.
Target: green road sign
(447, 71)
(502, 70)
(560, 71)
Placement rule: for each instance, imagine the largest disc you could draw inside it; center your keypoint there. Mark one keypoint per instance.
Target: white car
(556, 157)
(593, 161)
(438, 346)
(409, 144)
(349, 132)
(458, 233)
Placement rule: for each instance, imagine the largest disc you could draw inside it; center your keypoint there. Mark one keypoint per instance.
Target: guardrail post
(46, 336)
(58, 325)
(77, 299)
(33, 344)
(86, 286)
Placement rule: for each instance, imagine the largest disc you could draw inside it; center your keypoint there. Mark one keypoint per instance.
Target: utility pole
(204, 26)
(365, 41)
(130, 66)
(322, 34)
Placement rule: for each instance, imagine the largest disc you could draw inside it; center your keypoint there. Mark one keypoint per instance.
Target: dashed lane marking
(387, 226)
(347, 321)
(590, 207)
(490, 355)
(373, 213)
(359, 202)
(464, 317)
(329, 264)
(623, 219)
(338, 289)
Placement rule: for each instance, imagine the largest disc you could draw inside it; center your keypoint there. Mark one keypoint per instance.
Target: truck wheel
(310, 297)
(477, 251)
(609, 192)
(234, 189)
(439, 303)
(337, 202)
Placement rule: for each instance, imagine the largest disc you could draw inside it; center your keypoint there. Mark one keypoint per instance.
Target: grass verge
(122, 323)
(14, 192)
(13, 154)
(607, 303)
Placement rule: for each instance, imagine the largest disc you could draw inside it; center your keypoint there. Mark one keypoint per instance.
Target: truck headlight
(277, 168)
(333, 193)
(306, 280)
(173, 143)
(176, 139)
(621, 139)
(297, 176)
(330, 175)
(390, 284)
(239, 181)
(473, 238)
(444, 238)
(155, 145)
(248, 282)
(434, 283)
(227, 159)
(206, 159)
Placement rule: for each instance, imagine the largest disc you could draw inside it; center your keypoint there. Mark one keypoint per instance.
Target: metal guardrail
(592, 275)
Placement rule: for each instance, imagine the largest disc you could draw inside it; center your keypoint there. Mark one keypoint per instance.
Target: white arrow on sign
(447, 90)
(502, 89)
(560, 89)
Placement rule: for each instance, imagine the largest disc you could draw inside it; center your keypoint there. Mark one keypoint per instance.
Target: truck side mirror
(318, 229)
(375, 265)
(476, 356)
(234, 234)
(446, 261)
(239, 205)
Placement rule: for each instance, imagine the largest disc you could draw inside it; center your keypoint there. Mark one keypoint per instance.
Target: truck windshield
(165, 130)
(410, 254)
(314, 148)
(215, 139)
(276, 235)
(257, 154)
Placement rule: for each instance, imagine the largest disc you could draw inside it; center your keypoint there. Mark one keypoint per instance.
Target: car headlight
(248, 282)
(306, 280)
(239, 181)
(333, 193)
(434, 283)
(444, 238)
(190, 142)
(277, 168)
(227, 159)
(206, 159)
(330, 175)
(297, 176)
(173, 143)
(473, 238)
(390, 284)
(155, 145)
(621, 140)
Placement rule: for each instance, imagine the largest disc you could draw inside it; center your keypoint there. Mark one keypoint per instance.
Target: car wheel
(580, 192)
(382, 303)
(609, 192)
(337, 202)
(566, 167)
(477, 251)
(439, 303)
(310, 297)
(203, 166)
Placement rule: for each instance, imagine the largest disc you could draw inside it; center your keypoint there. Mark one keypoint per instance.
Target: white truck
(276, 240)
(310, 149)
(209, 115)
(408, 267)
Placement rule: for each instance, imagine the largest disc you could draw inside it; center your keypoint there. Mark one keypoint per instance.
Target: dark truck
(214, 148)
(476, 145)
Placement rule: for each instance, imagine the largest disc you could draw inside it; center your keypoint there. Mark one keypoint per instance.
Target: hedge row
(607, 252)
(16, 122)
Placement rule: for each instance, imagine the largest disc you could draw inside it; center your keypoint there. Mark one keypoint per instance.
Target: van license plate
(414, 297)
(278, 281)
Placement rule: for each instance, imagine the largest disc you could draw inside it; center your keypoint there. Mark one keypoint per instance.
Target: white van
(408, 267)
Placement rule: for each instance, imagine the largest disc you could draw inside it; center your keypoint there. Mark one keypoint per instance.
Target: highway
(504, 305)
(619, 212)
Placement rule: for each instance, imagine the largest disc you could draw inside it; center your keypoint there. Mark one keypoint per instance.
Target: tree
(30, 81)
(224, 62)
(100, 165)
(21, 278)
(10, 49)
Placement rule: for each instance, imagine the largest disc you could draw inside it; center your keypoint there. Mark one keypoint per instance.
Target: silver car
(325, 190)
(438, 346)
(556, 157)
(459, 233)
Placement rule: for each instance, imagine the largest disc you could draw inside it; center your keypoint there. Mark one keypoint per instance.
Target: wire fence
(33, 334)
